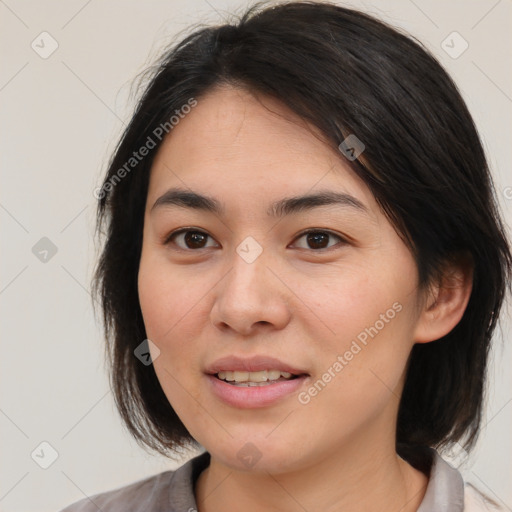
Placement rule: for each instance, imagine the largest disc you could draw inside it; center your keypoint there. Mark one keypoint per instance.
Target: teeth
(251, 384)
(273, 374)
(240, 376)
(253, 377)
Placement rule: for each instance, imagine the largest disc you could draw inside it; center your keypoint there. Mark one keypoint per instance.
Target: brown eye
(189, 239)
(318, 240)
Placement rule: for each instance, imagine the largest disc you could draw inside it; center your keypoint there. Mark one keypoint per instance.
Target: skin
(295, 302)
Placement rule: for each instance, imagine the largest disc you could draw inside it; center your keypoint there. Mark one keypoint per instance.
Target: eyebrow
(283, 207)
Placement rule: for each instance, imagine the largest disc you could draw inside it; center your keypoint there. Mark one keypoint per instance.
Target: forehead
(235, 144)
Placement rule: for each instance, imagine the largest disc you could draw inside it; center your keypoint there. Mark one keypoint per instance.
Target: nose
(251, 297)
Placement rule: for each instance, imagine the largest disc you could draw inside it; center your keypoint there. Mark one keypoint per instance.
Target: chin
(258, 455)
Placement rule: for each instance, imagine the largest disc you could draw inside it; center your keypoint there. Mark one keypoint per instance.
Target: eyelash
(168, 239)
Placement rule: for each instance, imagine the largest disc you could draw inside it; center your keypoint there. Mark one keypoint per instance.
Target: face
(323, 289)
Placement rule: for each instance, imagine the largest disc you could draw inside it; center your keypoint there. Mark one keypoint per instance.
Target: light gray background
(61, 117)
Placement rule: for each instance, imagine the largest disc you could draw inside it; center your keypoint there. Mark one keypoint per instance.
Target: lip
(251, 364)
(256, 396)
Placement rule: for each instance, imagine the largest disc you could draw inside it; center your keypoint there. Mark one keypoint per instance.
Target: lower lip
(254, 396)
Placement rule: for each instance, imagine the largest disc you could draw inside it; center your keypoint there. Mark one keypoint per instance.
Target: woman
(303, 268)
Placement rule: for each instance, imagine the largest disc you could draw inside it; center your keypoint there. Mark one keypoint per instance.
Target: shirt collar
(445, 490)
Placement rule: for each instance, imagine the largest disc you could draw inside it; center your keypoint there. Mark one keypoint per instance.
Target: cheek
(362, 302)
(358, 381)
(167, 297)
(370, 318)
(174, 308)
(167, 303)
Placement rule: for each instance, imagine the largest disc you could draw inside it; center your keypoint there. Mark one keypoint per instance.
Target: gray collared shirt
(173, 491)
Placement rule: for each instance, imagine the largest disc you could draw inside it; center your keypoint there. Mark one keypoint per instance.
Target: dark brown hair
(346, 73)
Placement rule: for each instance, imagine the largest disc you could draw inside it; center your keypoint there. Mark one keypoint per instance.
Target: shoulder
(173, 489)
(475, 501)
(135, 496)
(447, 491)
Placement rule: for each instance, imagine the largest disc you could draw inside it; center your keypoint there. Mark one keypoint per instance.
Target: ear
(446, 300)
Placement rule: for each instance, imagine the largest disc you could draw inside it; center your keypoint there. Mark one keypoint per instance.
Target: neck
(352, 478)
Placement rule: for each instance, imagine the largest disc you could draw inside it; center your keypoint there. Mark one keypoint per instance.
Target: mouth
(254, 382)
(255, 379)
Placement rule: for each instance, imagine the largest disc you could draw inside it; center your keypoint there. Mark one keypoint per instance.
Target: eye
(193, 239)
(189, 238)
(319, 239)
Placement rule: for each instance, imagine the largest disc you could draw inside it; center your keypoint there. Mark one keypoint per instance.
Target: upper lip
(251, 364)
